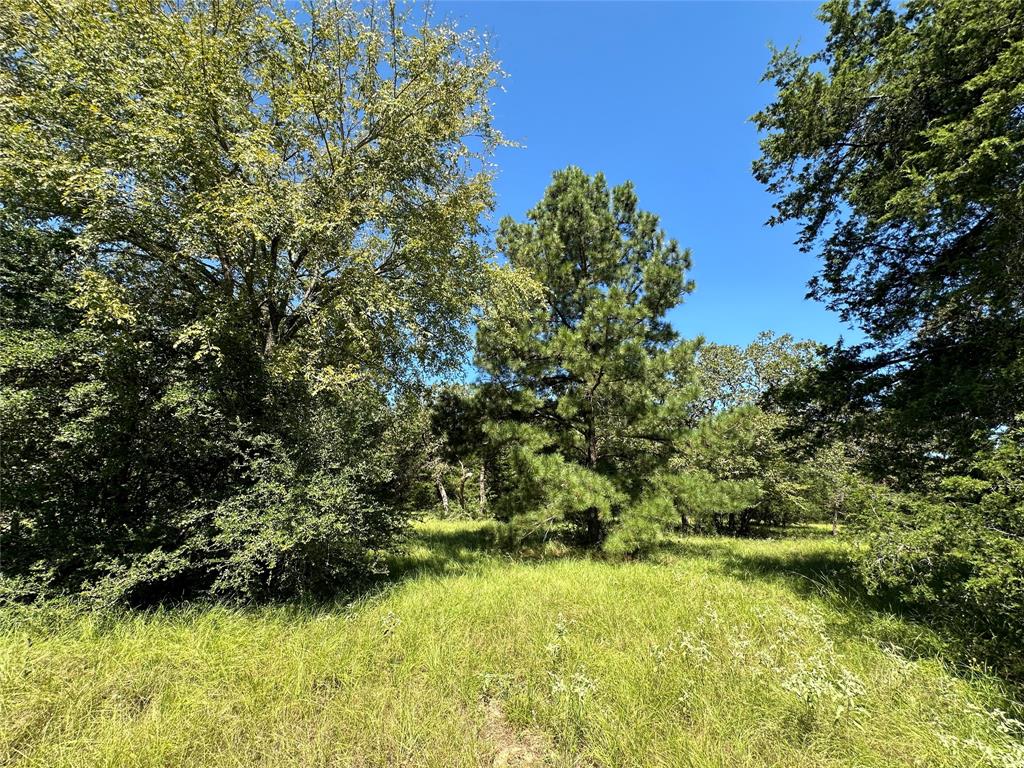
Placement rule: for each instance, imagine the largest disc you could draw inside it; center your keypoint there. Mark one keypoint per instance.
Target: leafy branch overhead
(320, 171)
(899, 151)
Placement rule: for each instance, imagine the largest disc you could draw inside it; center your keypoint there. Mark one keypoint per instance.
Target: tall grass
(721, 653)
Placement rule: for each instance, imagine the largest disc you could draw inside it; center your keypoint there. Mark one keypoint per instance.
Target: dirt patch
(512, 747)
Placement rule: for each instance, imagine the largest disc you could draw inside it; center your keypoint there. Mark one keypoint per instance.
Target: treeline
(592, 422)
(241, 245)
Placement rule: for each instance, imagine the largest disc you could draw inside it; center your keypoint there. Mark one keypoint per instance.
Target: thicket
(234, 241)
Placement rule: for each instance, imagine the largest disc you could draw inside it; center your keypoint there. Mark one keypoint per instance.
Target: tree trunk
(443, 494)
(483, 491)
(593, 522)
(593, 532)
(463, 477)
(835, 513)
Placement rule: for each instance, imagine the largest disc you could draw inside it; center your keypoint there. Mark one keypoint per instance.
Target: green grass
(718, 653)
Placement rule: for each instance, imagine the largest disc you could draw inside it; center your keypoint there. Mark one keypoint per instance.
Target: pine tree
(592, 382)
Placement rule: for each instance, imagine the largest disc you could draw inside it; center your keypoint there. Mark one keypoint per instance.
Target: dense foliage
(899, 149)
(958, 552)
(742, 434)
(609, 429)
(233, 238)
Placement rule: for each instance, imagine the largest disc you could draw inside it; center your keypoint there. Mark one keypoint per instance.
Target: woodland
(263, 359)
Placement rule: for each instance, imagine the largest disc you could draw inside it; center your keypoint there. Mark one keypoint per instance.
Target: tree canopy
(593, 381)
(291, 174)
(899, 149)
(233, 235)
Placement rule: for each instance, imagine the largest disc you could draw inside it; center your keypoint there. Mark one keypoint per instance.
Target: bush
(288, 536)
(958, 554)
(138, 470)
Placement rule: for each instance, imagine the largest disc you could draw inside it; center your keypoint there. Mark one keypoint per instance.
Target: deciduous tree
(232, 234)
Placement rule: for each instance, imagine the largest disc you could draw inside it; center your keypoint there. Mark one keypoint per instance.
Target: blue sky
(661, 93)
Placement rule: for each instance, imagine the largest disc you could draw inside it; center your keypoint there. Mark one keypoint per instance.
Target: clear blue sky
(661, 93)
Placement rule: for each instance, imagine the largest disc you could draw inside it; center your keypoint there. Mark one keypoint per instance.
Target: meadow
(278, 278)
(716, 652)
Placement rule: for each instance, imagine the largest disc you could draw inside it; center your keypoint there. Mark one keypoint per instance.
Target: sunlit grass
(720, 653)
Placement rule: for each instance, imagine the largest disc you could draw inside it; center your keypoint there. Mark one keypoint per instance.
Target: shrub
(957, 554)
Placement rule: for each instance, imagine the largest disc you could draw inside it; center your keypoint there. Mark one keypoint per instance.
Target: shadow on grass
(438, 548)
(825, 569)
(822, 568)
(810, 562)
(829, 574)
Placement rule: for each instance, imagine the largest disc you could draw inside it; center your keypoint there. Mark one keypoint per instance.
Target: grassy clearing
(722, 653)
